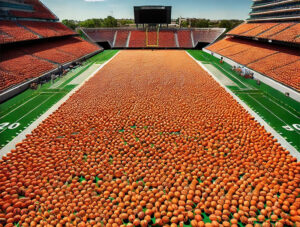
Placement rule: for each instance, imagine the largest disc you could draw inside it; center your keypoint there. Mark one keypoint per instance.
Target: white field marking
(19, 106)
(217, 66)
(30, 111)
(12, 144)
(259, 119)
(284, 108)
(270, 111)
(246, 85)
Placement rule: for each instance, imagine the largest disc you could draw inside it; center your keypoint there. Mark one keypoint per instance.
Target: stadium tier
(167, 39)
(278, 63)
(11, 32)
(185, 39)
(35, 59)
(47, 29)
(121, 38)
(275, 10)
(267, 45)
(137, 39)
(33, 22)
(102, 35)
(162, 38)
(207, 35)
(285, 32)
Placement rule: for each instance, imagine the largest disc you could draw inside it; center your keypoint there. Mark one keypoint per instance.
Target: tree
(70, 23)
(229, 24)
(110, 22)
(199, 23)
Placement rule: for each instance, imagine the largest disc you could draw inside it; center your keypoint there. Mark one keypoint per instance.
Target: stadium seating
(23, 65)
(184, 39)
(32, 60)
(11, 32)
(47, 29)
(167, 39)
(121, 39)
(76, 47)
(287, 74)
(260, 29)
(288, 35)
(152, 38)
(286, 32)
(273, 61)
(274, 30)
(206, 35)
(137, 39)
(8, 79)
(239, 30)
(40, 11)
(101, 35)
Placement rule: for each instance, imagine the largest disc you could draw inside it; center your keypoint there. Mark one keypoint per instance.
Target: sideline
(12, 144)
(267, 127)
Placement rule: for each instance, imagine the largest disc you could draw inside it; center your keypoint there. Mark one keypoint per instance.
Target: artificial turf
(273, 106)
(26, 107)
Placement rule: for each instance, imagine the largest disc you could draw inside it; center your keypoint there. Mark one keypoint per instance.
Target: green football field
(18, 113)
(280, 112)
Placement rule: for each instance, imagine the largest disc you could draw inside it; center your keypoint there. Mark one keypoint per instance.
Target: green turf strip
(103, 56)
(26, 107)
(266, 101)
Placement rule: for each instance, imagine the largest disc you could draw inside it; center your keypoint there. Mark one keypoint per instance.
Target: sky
(210, 9)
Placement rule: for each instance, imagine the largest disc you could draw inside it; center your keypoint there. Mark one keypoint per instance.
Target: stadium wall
(274, 84)
(10, 92)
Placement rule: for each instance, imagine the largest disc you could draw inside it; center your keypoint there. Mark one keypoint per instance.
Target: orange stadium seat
(47, 29)
(24, 65)
(137, 39)
(185, 39)
(264, 58)
(288, 35)
(11, 32)
(243, 28)
(121, 39)
(260, 29)
(32, 60)
(167, 39)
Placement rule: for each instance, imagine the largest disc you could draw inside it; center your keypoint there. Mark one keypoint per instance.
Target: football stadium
(150, 124)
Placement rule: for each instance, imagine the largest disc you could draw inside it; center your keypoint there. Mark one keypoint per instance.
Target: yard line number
(292, 128)
(8, 125)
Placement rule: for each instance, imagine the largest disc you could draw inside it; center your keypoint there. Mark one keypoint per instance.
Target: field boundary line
(12, 144)
(267, 127)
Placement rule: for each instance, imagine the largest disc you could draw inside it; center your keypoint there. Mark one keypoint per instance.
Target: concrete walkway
(82, 77)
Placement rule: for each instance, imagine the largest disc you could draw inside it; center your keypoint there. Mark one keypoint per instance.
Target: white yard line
(267, 127)
(284, 108)
(270, 112)
(12, 144)
(29, 112)
(246, 85)
(18, 106)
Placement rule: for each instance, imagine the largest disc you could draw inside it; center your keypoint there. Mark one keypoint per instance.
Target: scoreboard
(152, 14)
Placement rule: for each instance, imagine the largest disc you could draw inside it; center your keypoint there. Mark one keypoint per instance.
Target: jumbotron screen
(152, 14)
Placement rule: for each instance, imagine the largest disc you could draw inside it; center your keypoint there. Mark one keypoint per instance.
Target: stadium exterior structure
(274, 10)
